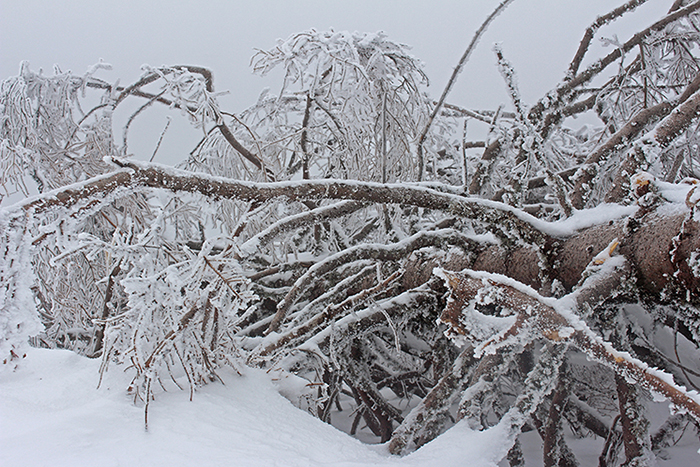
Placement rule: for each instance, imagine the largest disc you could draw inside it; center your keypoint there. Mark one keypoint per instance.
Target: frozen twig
(593, 28)
(453, 78)
(379, 252)
(563, 93)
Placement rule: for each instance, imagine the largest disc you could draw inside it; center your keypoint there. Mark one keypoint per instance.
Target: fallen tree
(322, 233)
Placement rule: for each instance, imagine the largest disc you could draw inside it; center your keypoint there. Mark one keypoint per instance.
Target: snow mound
(52, 414)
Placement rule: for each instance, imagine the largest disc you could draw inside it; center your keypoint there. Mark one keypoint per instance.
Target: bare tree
(333, 233)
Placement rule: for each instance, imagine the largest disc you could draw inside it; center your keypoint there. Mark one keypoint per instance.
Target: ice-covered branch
(508, 222)
(380, 252)
(562, 94)
(669, 118)
(18, 317)
(556, 321)
(658, 139)
(295, 221)
(427, 420)
(533, 144)
(313, 325)
(593, 28)
(453, 78)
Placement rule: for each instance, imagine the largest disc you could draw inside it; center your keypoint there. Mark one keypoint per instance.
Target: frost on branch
(45, 133)
(18, 316)
(555, 321)
(164, 334)
(360, 102)
(300, 236)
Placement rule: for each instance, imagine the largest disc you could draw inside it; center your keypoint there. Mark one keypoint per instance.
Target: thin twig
(453, 79)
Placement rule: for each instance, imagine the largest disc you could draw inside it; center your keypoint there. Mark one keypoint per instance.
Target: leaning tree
(347, 234)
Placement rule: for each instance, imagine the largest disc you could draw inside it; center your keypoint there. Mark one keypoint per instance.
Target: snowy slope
(51, 414)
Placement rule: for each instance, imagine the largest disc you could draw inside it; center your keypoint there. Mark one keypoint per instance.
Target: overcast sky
(538, 36)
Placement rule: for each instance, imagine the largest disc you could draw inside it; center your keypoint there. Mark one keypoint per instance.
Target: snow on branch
(293, 222)
(667, 120)
(552, 319)
(510, 223)
(533, 143)
(18, 317)
(563, 93)
(593, 28)
(297, 334)
(378, 252)
(458, 69)
(427, 420)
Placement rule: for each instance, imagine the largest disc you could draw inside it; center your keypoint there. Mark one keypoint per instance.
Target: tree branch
(508, 223)
(310, 217)
(646, 245)
(548, 322)
(455, 73)
(622, 138)
(591, 30)
(564, 91)
(427, 420)
(378, 252)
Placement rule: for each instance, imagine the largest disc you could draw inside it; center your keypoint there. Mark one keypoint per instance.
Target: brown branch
(484, 167)
(307, 218)
(427, 420)
(539, 182)
(152, 77)
(565, 90)
(72, 195)
(636, 373)
(555, 449)
(221, 276)
(171, 335)
(106, 308)
(243, 151)
(554, 326)
(665, 132)
(663, 438)
(304, 137)
(580, 414)
(593, 28)
(580, 106)
(486, 116)
(330, 313)
(379, 252)
(680, 119)
(617, 142)
(565, 457)
(280, 269)
(508, 223)
(634, 424)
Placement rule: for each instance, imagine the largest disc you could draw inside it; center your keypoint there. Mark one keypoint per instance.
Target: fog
(538, 36)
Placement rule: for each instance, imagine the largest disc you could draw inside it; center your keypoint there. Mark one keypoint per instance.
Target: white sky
(538, 36)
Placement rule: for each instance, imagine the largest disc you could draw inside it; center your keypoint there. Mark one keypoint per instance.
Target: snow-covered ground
(52, 414)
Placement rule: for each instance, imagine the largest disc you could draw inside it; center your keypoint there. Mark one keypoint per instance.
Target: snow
(676, 194)
(566, 307)
(74, 187)
(18, 319)
(52, 414)
(582, 219)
